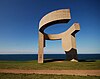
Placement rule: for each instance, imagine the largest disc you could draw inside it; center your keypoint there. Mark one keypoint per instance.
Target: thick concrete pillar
(69, 42)
(40, 48)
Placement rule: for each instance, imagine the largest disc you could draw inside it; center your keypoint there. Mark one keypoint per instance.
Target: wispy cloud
(15, 51)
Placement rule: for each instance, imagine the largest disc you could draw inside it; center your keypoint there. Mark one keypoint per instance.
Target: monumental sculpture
(67, 37)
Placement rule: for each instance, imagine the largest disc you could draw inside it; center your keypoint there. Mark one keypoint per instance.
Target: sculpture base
(73, 60)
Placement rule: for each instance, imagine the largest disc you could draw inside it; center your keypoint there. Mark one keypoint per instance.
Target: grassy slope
(37, 76)
(49, 65)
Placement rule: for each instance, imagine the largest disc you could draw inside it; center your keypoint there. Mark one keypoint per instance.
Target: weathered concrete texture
(67, 37)
(41, 46)
(55, 17)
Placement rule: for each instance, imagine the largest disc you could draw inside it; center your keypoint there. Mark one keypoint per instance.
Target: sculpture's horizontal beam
(72, 30)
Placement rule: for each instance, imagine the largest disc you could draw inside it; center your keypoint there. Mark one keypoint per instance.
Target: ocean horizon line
(45, 53)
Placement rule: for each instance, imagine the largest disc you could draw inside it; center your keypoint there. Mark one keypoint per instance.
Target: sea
(28, 57)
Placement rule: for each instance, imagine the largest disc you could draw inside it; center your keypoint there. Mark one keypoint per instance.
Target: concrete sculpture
(67, 37)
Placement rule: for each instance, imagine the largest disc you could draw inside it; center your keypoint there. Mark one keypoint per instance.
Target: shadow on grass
(53, 60)
(61, 60)
(87, 60)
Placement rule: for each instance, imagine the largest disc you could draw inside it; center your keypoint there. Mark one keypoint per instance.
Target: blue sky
(19, 20)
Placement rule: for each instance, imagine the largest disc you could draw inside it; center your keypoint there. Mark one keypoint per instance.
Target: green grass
(66, 65)
(37, 76)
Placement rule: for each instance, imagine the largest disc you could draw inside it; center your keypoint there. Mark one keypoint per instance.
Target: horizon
(19, 24)
(45, 53)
